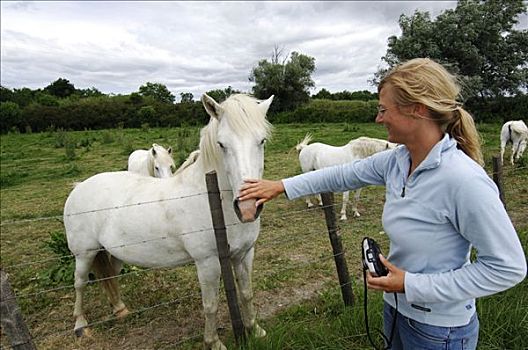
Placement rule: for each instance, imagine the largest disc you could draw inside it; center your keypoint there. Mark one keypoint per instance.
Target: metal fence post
(222, 245)
(337, 248)
(12, 321)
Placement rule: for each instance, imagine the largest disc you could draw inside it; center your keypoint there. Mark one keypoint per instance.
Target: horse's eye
(263, 141)
(221, 145)
(157, 168)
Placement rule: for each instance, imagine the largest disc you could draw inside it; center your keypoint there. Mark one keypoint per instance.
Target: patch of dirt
(269, 303)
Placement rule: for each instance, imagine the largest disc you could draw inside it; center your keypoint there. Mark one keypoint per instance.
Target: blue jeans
(410, 334)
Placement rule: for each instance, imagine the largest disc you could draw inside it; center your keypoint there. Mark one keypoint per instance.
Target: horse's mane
(191, 159)
(243, 115)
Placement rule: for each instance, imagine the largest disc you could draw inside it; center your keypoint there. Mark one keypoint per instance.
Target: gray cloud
(194, 46)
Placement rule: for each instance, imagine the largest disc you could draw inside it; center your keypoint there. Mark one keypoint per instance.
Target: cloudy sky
(117, 46)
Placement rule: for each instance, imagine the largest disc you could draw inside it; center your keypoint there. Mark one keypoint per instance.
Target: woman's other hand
(394, 282)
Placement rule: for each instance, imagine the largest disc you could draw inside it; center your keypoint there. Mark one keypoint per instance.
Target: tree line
(476, 40)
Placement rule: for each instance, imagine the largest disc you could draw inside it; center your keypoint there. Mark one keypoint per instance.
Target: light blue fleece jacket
(432, 218)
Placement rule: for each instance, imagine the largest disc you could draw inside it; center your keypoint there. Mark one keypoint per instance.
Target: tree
(136, 98)
(23, 97)
(5, 94)
(290, 81)
(60, 88)
(90, 92)
(323, 94)
(46, 99)
(157, 91)
(186, 97)
(10, 116)
(220, 95)
(476, 40)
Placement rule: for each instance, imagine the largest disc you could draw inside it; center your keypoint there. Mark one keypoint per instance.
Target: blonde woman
(439, 203)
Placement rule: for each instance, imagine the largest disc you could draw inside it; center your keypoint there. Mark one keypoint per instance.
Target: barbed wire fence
(28, 342)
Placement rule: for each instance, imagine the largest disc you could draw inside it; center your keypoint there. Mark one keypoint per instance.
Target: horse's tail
(105, 272)
(307, 139)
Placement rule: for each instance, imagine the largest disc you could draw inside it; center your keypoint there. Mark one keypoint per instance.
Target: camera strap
(388, 341)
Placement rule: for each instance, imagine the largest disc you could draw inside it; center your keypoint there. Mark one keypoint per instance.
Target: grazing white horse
(156, 162)
(319, 155)
(516, 132)
(117, 217)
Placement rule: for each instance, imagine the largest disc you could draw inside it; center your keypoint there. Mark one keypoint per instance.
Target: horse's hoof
(343, 218)
(83, 332)
(79, 332)
(259, 331)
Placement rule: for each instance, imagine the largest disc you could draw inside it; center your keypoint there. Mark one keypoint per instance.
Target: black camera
(371, 260)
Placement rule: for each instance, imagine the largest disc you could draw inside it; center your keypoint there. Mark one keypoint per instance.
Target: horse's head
(161, 161)
(241, 131)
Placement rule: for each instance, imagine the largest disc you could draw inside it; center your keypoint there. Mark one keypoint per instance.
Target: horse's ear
(211, 106)
(264, 105)
(153, 152)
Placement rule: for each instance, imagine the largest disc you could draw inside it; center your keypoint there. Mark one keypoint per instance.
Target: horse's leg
(106, 273)
(320, 200)
(120, 310)
(522, 147)
(83, 264)
(503, 147)
(346, 195)
(308, 202)
(357, 193)
(519, 149)
(513, 152)
(209, 277)
(243, 271)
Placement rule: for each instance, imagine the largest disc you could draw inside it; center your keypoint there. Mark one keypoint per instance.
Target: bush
(61, 272)
(10, 116)
(69, 148)
(328, 111)
(60, 138)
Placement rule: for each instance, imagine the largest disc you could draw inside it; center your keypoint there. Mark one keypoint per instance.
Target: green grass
(295, 281)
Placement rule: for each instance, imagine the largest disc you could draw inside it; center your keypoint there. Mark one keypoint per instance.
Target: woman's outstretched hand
(261, 190)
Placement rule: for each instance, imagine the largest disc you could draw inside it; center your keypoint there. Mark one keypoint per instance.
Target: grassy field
(296, 289)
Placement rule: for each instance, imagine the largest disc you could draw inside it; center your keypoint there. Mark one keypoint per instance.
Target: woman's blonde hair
(422, 80)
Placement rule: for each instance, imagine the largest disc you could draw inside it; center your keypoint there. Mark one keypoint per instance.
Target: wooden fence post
(497, 177)
(12, 321)
(222, 245)
(337, 248)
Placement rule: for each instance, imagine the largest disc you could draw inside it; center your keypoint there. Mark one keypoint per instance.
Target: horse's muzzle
(246, 210)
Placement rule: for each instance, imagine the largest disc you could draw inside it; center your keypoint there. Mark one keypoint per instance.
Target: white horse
(105, 225)
(319, 155)
(516, 132)
(156, 162)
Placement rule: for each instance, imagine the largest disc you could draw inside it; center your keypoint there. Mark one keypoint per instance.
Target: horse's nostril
(245, 210)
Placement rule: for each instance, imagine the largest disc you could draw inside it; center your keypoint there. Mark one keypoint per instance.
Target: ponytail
(462, 128)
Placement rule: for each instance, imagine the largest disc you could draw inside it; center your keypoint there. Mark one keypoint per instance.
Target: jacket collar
(432, 160)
